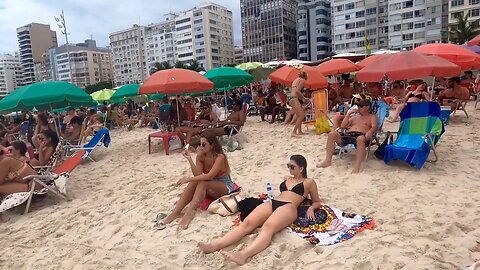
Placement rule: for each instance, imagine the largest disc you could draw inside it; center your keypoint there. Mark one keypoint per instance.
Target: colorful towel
(331, 226)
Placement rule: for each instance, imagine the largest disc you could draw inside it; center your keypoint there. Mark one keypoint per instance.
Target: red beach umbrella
(287, 74)
(337, 66)
(175, 81)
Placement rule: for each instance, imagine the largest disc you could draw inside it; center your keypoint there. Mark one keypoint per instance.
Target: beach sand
(427, 219)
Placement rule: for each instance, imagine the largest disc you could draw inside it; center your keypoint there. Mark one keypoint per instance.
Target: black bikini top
(419, 96)
(297, 189)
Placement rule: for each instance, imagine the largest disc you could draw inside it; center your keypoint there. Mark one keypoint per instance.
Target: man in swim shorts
(360, 126)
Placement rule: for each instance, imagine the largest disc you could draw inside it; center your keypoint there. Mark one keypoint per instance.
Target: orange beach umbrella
(287, 74)
(456, 54)
(175, 81)
(337, 66)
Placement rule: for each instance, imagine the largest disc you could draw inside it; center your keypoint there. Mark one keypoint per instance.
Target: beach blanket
(331, 226)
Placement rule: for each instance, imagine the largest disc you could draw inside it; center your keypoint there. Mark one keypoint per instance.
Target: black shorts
(228, 129)
(350, 137)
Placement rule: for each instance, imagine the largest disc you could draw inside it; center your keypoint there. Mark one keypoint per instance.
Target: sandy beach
(425, 219)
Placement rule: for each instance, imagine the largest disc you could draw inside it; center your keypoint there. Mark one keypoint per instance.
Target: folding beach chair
(54, 182)
(234, 128)
(420, 130)
(381, 111)
(53, 160)
(102, 137)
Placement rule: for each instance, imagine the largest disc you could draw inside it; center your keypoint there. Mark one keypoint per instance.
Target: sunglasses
(291, 166)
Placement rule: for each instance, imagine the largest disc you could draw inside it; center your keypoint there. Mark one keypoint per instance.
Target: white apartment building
(203, 33)
(458, 8)
(128, 48)
(10, 73)
(314, 29)
(394, 24)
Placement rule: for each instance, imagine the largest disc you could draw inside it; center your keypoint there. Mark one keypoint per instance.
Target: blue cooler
(445, 114)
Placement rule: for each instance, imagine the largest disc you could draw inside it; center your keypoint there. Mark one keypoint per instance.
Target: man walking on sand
(360, 125)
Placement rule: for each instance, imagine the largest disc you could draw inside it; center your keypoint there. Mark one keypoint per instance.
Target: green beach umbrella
(224, 77)
(128, 90)
(45, 96)
(102, 95)
(249, 65)
(156, 96)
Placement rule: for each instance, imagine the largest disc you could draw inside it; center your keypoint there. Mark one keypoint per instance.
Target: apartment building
(129, 57)
(269, 29)
(34, 40)
(10, 73)
(89, 64)
(238, 54)
(314, 29)
(394, 24)
(457, 8)
(203, 33)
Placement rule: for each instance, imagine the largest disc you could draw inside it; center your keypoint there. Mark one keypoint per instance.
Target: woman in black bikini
(272, 216)
(293, 100)
(419, 94)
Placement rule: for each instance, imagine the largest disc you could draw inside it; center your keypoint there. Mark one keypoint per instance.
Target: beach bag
(321, 125)
(175, 143)
(226, 205)
(247, 205)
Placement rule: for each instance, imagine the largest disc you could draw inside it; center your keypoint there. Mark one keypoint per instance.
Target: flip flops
(158, 222)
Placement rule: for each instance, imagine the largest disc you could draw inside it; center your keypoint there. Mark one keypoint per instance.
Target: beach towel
(331, 226)
(411, 146)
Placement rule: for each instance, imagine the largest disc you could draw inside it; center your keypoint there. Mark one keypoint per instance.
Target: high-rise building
(89, 64)
(269, 29)
(457, 8)
(394, 24)
(314, 29)
(238, 54)
(10, 73)
(203, 33)
(34, 40)
(129, 63)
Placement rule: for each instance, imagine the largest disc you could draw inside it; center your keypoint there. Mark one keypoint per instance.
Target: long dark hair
(20, 146)
(216, 147)
(42, 118)
(53, 137)
(301, 162)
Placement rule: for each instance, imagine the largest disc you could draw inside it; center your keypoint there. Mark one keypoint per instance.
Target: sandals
(158, 222)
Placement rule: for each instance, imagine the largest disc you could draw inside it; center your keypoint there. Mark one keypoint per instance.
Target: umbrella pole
(226, 107)
(57, 128)
(178, 112)
(432, 89)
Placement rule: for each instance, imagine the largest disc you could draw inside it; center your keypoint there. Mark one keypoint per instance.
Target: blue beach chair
(420, 130)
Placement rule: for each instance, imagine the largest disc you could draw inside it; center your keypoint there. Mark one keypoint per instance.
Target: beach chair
(54, 182)
(419, 132)
(102, 137)
(22, 134)
(234, 128)
(53, 160)
(381, 111)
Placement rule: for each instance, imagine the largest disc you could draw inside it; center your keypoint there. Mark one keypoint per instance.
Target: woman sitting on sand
(211, 177)
(273, 216)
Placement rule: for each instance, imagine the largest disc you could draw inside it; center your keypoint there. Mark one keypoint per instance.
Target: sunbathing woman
(419, 94)
(294, 101)
(211, 177)
(12, 172)
(19, 151)
(204, 119)
(48, 143)
(272, 216)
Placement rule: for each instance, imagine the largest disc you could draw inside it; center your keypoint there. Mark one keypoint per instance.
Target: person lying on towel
(272, 216)
(360, 125)
(211, 177)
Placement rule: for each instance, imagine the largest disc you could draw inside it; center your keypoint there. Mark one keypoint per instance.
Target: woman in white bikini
(293, 100)
(272, 216)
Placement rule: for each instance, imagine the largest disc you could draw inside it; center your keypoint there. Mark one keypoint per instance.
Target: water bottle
(269, 190)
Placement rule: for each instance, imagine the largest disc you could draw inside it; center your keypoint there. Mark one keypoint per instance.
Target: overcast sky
(93, 17)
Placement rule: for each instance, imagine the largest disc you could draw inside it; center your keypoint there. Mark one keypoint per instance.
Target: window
(347, 17)
(397, 27)
(349, 6)
(419, 13)
(360, 24)
(339, 8)
(338, 37)
(350, 35)
(473, 2)
(303, 41)
(371, 11)
(407, 4)
(361, 43)
(349, 25)
(371, 21)
(360, 14)
(408, 26)
(407, 15)
(475, 12)
(407, 36)
(182, 21)
(360, 33)
(456, 14)
(395, 6)
(419, 24)
(372, 31)
(455, 3)
(322, 39)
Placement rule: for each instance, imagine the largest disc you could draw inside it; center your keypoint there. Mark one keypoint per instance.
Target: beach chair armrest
(81, 148)
(41, 167)
(41, 177)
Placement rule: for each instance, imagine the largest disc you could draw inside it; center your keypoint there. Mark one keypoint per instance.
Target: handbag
(380, 152)
(226, 205)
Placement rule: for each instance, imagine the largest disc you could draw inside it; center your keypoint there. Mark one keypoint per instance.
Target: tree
(160, 66)
(98, 86)
(180, 65)
(195, 66)
(463, 30)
